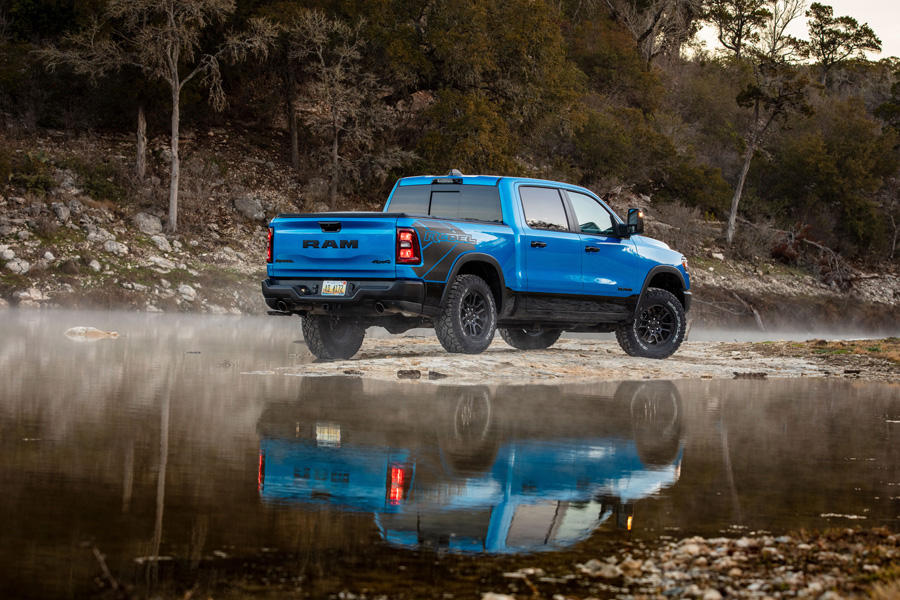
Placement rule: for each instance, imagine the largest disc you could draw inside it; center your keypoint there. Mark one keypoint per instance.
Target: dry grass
(887, 349)
(886, 591)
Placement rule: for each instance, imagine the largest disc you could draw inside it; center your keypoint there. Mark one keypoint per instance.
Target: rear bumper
(364, 298)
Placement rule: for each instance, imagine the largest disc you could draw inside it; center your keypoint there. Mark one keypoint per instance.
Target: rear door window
(449, 201)
(543, 208)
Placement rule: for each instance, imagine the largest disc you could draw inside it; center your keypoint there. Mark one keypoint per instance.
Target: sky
(883, 16)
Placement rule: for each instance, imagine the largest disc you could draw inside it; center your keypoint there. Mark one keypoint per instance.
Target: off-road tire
(524, 339)
(468, 320)
(329, 338)
(659, 328)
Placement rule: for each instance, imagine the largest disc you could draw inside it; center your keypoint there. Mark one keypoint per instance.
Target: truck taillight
(408, 246)
(262, 469)
(269, 253)
(400, 478)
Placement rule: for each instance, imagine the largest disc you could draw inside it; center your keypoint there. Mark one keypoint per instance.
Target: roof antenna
(455, 173)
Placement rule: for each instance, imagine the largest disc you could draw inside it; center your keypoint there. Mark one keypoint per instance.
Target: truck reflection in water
(473, 469)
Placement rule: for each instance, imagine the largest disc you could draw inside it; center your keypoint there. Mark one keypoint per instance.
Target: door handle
(538, 244)
(591, 249)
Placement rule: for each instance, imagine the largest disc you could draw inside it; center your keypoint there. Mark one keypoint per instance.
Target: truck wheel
(658, 330)
(329, 338)
(467, 322)
(525, 339)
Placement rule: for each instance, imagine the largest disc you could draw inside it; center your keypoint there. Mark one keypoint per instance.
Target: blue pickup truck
(468, 255)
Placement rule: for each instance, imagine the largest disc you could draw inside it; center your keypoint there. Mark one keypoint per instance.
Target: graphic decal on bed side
(442, 244)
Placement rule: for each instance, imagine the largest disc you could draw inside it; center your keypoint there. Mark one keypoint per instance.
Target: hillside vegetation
(764, 158)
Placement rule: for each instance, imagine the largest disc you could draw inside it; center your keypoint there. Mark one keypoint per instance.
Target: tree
(774, 42)
(777, 92)
(737, 21)
(658, 26)
(345, 103)
(162, 39)
(830, 172)
(468, 132)
(832, 40)
(889, 111)
(889, 203)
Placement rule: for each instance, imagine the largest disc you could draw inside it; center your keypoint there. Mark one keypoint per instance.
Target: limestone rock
(62, 211)
(30, 297)
(88, 334)
(147, 223)
(65, 179)
(595, 568)
(162, 263)
(76, 207)
(162, 243)
(98, 234)
(250, 207)
(18, 265)
(114, 247)
(7, 254)
(187, 292)
(94, 266)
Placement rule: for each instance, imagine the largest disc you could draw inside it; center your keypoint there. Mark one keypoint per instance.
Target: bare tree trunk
(738, 190)
(335, 160)
(153, 566)
(292, 125)
(291, 114)
(140, 167)
(896, 231)
(176, 166)
(759, 130)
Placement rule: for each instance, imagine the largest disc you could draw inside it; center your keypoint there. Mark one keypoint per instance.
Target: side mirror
(635, 221)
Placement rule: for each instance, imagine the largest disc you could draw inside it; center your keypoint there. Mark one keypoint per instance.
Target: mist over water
(180, 452)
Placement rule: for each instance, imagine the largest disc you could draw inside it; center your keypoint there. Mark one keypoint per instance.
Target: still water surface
(167, 453)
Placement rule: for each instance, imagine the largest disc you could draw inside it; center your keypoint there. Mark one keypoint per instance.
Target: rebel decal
(432, 237)
(442, 244)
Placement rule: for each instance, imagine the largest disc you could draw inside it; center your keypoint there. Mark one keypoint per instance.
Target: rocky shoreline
(843, 563)
(421, 358)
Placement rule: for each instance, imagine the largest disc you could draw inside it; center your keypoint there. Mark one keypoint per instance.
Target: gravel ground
(572, 360)
(841, 564)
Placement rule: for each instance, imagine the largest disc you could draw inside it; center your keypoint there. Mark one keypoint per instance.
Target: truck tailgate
(334, 244)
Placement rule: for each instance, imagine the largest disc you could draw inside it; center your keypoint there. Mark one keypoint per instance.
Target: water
(158, 456)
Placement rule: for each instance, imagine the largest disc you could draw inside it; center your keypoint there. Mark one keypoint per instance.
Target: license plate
(334, 288)
(328, 434)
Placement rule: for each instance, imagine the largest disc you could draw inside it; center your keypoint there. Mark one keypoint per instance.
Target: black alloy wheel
(659, 328)
(468, 320)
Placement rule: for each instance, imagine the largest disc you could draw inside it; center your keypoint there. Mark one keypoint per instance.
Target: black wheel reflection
(466, 439)
(655, 408)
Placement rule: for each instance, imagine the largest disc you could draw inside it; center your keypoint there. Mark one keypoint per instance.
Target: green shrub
(32, 172)
(101, 180)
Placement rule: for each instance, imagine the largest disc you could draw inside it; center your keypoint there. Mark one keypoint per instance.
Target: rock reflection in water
(475, 469)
